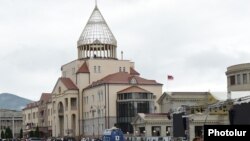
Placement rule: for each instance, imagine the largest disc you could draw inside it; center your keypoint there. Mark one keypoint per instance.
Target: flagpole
(169, 78)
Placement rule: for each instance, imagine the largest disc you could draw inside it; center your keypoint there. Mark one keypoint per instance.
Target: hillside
(12, 102)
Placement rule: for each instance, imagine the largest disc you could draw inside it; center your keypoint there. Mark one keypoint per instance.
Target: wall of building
(107, 66)
(238, 77)
(12, 119)
(91, 99)
(67, 114)
(30, 118)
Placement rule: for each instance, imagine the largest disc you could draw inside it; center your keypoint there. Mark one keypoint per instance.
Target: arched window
(133, 81)
(59, 90)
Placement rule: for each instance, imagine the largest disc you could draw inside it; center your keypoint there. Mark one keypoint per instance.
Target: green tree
(21, 133)
(31, 134)
(37, 132)
(8, 133)
(2, 135)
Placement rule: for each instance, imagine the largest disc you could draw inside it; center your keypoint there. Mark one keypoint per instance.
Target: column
(83, 55)
(79, 52)
(114, 51)
(109, 51)
(112, 55)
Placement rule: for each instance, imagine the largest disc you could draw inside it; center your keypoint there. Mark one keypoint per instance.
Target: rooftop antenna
(95, 3)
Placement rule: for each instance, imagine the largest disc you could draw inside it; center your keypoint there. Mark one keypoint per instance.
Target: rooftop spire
(96, 30)
(95, 3)
(97, 37)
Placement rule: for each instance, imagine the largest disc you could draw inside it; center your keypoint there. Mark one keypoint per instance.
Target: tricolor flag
(170, 77)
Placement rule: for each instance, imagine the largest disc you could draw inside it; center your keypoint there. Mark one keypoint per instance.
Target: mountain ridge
(13, 102)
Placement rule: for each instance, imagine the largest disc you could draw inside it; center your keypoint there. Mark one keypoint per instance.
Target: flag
(170, 77)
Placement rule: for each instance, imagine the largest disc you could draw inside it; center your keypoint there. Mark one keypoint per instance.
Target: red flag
(170, 77)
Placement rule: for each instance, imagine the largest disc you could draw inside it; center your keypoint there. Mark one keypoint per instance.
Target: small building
(238, 77)
(11, 119)
(38, 114)
(195, 106)
(152, 124)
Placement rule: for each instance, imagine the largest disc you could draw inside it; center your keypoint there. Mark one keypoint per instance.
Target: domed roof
(96, 31)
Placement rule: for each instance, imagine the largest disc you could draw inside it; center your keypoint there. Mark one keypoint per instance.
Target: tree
(8, 133)
(21, 133)
(37, 132)
(31, 134)
(2, 135)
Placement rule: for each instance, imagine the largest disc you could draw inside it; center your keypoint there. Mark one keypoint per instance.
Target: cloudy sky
(194, 40)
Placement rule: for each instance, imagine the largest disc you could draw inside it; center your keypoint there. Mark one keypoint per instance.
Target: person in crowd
(197, 139)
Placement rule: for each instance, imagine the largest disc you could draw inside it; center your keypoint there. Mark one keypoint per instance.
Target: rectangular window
(124, 69)
(244, 78)
(95, 69)
(120, 69)
(232, 80)
(73, 102)
(168, 129)
(99, 69)
(238, 79)
(156, 130)
(99, 96)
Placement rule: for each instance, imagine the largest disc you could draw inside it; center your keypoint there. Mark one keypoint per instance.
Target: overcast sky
(193, 40)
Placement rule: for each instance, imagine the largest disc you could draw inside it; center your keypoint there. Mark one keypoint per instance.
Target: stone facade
(38, 114)
(86, 98)
(199, 111)
(238, 77)
(12, 119)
